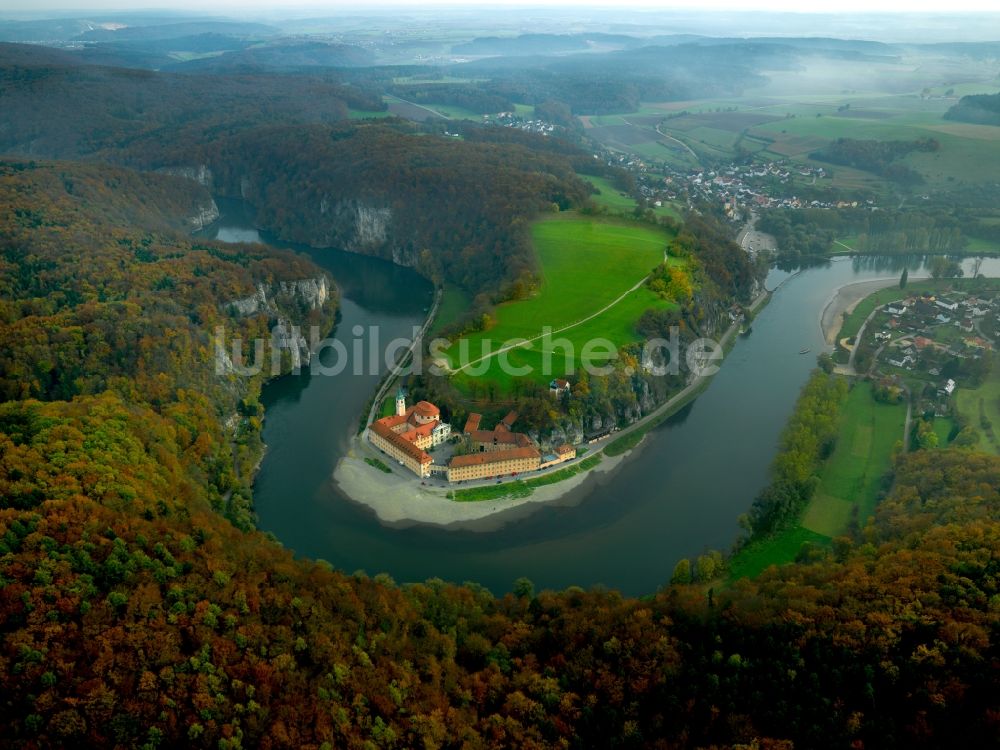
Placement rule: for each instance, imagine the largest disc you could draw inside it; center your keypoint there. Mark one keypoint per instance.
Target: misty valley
(499, 377)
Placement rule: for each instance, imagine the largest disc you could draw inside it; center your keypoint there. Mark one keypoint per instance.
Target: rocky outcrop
(312, 294)
(371, 225)
(357, 227)
(255, 303)
(206, 214)
(286, 337)
(282, 302)
(301, 294)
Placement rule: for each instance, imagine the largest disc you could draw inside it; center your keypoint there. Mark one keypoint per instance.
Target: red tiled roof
(478, 459)
(472, 423)
(510, 418)
(419, 431)
(565, 448)
(504, 437)
(391, 421)
(426, 409)
(400, 442)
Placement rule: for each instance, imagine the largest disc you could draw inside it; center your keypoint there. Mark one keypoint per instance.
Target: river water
(677, 496)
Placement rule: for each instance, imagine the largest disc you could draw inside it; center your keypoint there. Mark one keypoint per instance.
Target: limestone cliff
(287, 304)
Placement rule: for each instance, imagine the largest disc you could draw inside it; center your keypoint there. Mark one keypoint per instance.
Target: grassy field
(587, 263)
(852, 476)
(751, 561)
(850, 482)
(610, 196)
(454, 303)
(981, 406)
(797, 114)
(616, 201)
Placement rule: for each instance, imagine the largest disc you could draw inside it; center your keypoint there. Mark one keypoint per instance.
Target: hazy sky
(324, 6)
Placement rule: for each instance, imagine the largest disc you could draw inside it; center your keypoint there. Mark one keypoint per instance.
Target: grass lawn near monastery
(587, 263)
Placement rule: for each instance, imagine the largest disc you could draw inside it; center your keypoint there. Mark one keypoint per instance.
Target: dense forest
(982, 109)
(455, 209)
(58, 107)
(139, 607)
(134, 615)
(103, 297)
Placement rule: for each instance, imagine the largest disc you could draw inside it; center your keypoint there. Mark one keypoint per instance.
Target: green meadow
(852, 476)
(981, 407)
(587, 263)
(610, 196)
(849, 483)
(454, 303)
(615, 201)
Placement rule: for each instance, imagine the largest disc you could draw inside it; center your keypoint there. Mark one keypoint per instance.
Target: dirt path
(525, 342)
(677, 140)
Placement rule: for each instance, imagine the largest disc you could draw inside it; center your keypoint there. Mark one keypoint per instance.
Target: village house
(558, 386)
(564, 452)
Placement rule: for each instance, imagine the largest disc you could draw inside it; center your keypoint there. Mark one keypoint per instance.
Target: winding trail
(676, 140)
(419, 106)
(526, 342)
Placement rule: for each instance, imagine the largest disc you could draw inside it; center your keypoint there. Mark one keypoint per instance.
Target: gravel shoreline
(402, 501)
(844, 300)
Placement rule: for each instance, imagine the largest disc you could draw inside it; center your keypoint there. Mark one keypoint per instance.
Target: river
(677, 496)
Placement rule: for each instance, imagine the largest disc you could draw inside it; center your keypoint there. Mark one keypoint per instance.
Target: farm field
(615, 200)
(981, 407)
(851, 478)
(903, 105)
(586, 263)
(610, 196)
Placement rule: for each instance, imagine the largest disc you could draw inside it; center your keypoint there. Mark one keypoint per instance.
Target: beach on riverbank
(399, 500)
(844, 300)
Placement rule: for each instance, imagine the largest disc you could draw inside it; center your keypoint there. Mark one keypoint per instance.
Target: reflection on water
(682, 493)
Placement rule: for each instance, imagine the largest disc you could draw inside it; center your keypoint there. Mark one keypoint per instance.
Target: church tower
(400, 402)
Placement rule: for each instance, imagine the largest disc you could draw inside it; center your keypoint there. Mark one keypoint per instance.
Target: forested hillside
(99, 296)
(457, 210)
(134, 612)
(57, 107)
(139, 607)
(133, 615)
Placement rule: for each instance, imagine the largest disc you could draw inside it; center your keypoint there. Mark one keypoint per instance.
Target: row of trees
(807, 233)
(807, 440)
(879, 157)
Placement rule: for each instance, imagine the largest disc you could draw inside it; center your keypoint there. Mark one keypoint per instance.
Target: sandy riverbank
(402, 501)
(399, 500)
(844, 300)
